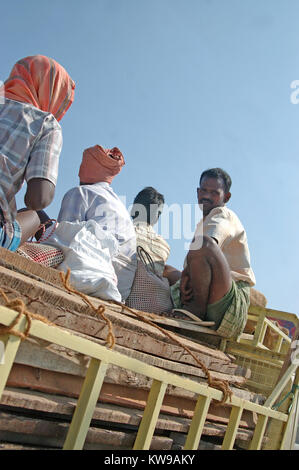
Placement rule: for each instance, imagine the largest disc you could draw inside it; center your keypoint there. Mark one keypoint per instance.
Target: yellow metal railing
(101, 357)
(261, 316)
(252, 351)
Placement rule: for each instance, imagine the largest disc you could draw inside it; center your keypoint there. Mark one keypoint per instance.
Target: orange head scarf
(42, 82)
(99, 164)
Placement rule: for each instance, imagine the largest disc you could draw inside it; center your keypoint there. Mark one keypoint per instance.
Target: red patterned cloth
(99, 164)
(43, 254)
(42, 82)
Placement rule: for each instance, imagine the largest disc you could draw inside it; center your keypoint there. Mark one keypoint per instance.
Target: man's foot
(183, 314)
(192, 307)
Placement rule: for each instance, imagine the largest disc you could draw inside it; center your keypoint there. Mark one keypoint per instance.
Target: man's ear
(227, 197)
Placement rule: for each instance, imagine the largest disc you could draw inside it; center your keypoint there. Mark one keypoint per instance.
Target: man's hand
(172, 274)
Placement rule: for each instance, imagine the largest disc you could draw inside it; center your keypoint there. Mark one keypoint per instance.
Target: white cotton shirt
(153, 244)
(224, 225)
(99, 202)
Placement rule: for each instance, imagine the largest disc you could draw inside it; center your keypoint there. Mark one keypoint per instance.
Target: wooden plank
(177, 402)
(25, 430)
(28, 401)
(22, 265)
(9, 446)
(23, 375)
(57, 358)
(52, 297)
(17, 263)
(63, 309)
(204, 444)
(54, 334)
(36, 271)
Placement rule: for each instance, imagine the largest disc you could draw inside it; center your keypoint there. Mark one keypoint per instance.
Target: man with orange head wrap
(36, 96)
(95, 199)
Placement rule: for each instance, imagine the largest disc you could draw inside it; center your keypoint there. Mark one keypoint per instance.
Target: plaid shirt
(30, 145)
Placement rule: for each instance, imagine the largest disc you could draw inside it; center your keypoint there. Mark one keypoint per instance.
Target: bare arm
(39, 194)
(172, 274)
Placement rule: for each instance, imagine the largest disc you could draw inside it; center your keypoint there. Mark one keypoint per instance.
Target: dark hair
(218, 173)
(150, 199)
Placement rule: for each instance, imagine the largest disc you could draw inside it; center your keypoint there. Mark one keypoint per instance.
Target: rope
(110, 340)
(19, 306)
(221, 385)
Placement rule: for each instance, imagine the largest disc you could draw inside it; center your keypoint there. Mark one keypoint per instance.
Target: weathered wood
(41, 379)
(32, 401)
(177, 402)
(8, 446)
(59, 359)
(47, 297)
(22, 265)
(63, 309)
(120, 387)
(15, 428)
(32, 270)
(179, 443)
(26, 401)
(54, 407)
(17, 263)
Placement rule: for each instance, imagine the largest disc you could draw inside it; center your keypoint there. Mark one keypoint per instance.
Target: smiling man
(216, 280)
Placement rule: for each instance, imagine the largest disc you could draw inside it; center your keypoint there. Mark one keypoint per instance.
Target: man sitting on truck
(217, 276)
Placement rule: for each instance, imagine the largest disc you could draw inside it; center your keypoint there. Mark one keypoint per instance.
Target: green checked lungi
(229, 313)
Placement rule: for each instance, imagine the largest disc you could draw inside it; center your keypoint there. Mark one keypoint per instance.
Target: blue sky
(181, 86)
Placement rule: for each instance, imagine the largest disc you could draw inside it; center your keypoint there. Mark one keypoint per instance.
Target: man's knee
(204, 245)
(209, 242)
